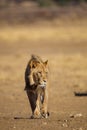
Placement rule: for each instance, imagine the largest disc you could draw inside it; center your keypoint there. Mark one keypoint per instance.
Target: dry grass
(68, 68)
(71, 69)
(56, 30)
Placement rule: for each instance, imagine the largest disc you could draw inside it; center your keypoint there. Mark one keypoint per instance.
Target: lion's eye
(39, 72)
(46, 72)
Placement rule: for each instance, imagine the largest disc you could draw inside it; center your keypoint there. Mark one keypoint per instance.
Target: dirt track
(65, 47)
(67, 71)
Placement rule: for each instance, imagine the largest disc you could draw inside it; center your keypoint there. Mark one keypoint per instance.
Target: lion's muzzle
(43, 84)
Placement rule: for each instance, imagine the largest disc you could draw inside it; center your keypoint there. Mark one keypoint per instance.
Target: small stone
(78, 115)
(71, 116)
(14, 127)
(80, 129)
(65, 120)
(75, 115)
(64, 125)
(45, 123)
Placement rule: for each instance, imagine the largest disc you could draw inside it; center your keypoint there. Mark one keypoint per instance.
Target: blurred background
(43, 23)
(55, 30)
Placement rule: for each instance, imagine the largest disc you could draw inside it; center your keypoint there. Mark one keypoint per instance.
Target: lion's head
(38, 72)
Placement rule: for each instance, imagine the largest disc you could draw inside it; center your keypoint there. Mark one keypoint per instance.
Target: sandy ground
(68, 72)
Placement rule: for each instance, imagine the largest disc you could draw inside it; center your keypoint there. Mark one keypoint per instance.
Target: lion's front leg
(37, 113)
(44, 110)
(32, 99)
(34, 102)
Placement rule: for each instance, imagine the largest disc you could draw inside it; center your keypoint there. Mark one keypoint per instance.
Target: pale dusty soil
(68, 71)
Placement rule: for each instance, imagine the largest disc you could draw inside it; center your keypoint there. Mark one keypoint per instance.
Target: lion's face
(38, 73)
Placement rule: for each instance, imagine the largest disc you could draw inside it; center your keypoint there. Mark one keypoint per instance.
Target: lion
(36, 86)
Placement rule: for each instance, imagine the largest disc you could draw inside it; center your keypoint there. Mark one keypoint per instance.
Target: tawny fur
(36, 86)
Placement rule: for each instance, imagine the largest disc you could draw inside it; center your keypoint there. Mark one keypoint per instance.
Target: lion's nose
(43, 83)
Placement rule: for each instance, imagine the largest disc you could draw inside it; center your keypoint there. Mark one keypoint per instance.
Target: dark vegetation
(5, 3)
(26, 12)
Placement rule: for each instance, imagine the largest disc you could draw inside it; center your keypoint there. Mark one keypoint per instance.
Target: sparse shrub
(5, 3)
(44, 2)
(65, 2)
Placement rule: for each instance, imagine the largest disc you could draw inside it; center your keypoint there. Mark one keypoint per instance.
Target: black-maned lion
(36, 79)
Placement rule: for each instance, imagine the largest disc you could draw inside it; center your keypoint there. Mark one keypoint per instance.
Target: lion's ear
(33, 64)
(46, 63)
